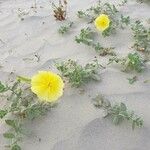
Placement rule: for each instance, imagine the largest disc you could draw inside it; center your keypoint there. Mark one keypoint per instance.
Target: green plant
(78, 75)
(118, 112)
(141, 37)
(65, 28)
(86, 37)
(117, 19)
(22, 106)
(132, 62)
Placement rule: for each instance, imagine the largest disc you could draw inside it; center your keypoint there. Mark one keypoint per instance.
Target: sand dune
(75, 124)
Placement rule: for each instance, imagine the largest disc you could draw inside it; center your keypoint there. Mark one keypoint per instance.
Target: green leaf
(11, 123)
(3, 113)
(16, 147)
(9, 135)
(2, 87)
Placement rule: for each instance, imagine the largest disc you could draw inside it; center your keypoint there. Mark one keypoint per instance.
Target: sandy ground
(75, 124)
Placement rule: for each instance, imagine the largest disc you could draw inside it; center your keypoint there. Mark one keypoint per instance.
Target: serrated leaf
(9, 135)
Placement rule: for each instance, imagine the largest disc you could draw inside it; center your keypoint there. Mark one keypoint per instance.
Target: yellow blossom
(102, 22)
(47, 85)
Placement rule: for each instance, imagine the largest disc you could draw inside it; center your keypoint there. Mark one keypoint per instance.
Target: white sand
(75, 124)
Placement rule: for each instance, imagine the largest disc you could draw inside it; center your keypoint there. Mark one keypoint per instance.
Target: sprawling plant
(117, 112)
(78, 75)
(22, 105)
(132, 62)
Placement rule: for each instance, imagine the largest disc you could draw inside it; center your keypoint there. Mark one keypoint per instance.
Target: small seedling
(65, 28)
(118, 112)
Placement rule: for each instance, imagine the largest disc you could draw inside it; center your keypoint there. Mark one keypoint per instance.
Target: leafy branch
(78, 75)
(118, 112)
(86, 37)
(132, 62)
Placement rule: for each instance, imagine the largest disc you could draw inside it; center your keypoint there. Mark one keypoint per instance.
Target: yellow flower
(47, 85)
(102, 22)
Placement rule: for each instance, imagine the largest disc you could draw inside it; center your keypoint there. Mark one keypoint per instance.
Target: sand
(75, 124)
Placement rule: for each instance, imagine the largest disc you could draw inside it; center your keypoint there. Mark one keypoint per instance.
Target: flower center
(103, 23)
(49, 84)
